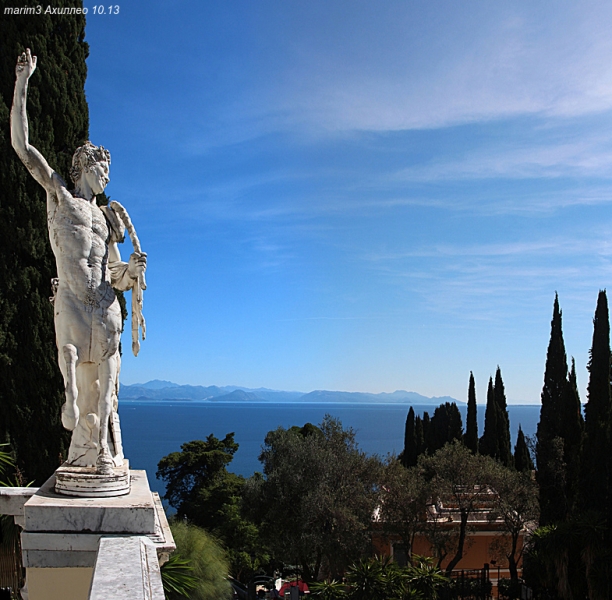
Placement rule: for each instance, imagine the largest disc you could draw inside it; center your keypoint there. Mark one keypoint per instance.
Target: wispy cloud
(493, 61)
(549, 157)
(494, 281)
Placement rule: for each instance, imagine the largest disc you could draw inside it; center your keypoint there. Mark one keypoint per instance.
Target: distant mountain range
(166, 390)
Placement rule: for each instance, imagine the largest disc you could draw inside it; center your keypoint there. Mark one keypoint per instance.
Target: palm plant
(425, 578)
(328, 590)
(378, 577)
(366, 580)
(177, 578)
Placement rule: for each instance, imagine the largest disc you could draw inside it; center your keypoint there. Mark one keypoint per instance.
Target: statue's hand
(26, 65)
(137, 264)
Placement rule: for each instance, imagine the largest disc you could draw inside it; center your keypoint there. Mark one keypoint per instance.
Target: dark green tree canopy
(197, 480)
(318, 496)
(205, 493)
(446, 426)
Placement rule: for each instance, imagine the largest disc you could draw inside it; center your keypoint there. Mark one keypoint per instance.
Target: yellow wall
(476, 553)
(59, 584)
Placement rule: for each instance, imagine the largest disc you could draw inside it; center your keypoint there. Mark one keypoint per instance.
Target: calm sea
(152, 429)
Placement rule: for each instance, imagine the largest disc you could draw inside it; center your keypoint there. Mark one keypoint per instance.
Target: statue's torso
(78, 233)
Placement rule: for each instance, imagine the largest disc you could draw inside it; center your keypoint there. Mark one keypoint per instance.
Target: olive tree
(317, 496)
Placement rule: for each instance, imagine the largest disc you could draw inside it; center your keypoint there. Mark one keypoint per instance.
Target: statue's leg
(70, 410)
(107, 373)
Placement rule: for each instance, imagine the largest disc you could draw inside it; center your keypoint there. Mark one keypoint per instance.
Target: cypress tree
(419, 435)
(455, 423)
(446, 426)
(504, 448)
(488, 444)
(559, 433)
(409, 457)
(595, 493)
(596, 461)
(572, 432)
(31, 386)
(426, 422)
(522, 457)
(471, 422)
(555, 376)
(549, 451)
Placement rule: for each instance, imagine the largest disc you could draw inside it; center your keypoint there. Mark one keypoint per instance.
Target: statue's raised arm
(30, 156)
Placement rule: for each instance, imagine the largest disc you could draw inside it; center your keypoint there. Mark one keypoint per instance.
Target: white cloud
(461, 63)
(548, 157)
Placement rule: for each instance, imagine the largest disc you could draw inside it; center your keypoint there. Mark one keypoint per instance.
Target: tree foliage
(446, 427)
(317, 496)
(515, 503)
(203, 491)
(31, 386)
(403, 502)
(198, 483)
(425, 435)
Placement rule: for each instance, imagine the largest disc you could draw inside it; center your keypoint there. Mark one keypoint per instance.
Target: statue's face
(97, 177)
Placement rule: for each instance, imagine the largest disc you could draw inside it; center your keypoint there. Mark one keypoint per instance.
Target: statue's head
(87, 159)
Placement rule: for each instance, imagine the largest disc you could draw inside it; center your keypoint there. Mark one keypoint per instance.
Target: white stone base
(63, 537)
(84, 482)
(65, 532)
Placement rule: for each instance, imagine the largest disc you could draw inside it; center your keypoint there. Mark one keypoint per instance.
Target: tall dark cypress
(409, 456)
(596, 473)
(419, 435)
(596, 455)
(471, 422)
(488, 444)
(549, 445)
(571, 428)
(426, 423)
(522, 457)
(504, 446)
(31, 387)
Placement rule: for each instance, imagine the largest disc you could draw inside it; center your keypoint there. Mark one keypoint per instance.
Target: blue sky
(359, 195)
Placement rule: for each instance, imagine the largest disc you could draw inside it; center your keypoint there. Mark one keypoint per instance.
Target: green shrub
(207, 562)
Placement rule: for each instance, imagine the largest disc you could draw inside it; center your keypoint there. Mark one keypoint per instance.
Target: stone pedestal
(84, 482)
(62, 534)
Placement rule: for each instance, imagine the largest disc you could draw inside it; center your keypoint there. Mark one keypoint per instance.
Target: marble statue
(88, 321)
